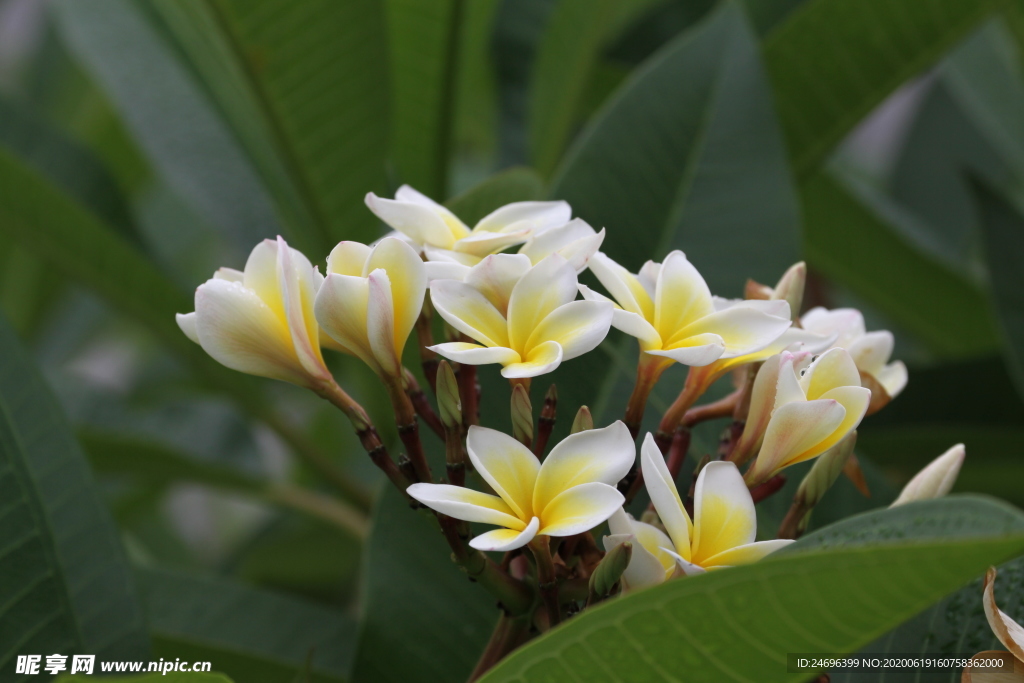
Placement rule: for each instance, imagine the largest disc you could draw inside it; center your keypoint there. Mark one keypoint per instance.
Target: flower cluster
(508, 292)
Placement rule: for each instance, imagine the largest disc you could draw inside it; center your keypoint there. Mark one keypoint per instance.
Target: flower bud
(448, 402)
(522, 415)
(609, 571)
(936, 479)
(791, 288)
(583, 421)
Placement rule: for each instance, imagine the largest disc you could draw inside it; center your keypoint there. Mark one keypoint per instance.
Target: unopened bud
(936, 479)
(609, 571)
(827, 468)
(755, 290)
(791, 288)
(522, 415)
(583, 421)
(448, 401)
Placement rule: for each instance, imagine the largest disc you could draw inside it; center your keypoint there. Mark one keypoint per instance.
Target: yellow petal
(541, 360)
(580, 509)
(624, 287)
(496, 276)
(466, 504)
(503, 540)
(262, 276)
(602, 455)
(795, 433)
(340, 309)
(696, 351)
(545, 287)
(745, 554)
(507, 465)
(834, 368)
(681, 297)
(348, 258)
(578, 327)
(298, 290)
(665, 497)
(468, 311)
(723, 512)
(743, 329)
(380, 323)
(408, 279)
(474, 354)
(855, 400)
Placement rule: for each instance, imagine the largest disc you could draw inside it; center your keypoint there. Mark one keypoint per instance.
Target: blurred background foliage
(145, 143)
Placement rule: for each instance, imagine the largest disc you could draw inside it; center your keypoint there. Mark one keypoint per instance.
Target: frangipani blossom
(721, 533)
(936, 479)
(669, 308)
(870, 350)
(370, 300)
(790, 288)
(429, 225)
(524, 317)
(813, 411)
(260, 321)
(571, 492)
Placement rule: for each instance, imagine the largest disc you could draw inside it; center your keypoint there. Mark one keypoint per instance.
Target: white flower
(936, 479)
(524, 317)
(571, 492)
(260, 321)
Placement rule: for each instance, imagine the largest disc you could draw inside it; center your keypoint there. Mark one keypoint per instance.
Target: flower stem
(648, 370)
(540, 546)
(468, 392)
(455, 456)
(508, 633)
(546, 421)
(421, 404)
(693, 389)
(723, 407)
(408, 428)
(425, 337)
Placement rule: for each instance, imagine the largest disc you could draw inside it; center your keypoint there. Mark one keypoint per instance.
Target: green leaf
(832, 61)
(575, 33)
(422, 36)
(1003, 237)
(169, 677)
(171, 118)
(512, 185)
(738, 624)
(848, 236)
(251, 634)
(687, 155)
(422, 618)
(65, 584)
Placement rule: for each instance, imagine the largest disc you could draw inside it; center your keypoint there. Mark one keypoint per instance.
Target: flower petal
(543, 358)
(893, 377)
(696, 351)
(546, 286)
(408, 278)
(298, 291)
(578, 326)
(532, 216)
(936, 479)
(496, 276)
(450, 256)
(848, 323)
(503, 540)
(743, 329)
(483, 243)
(575, 241)
(445, 270)
(872, 351)
(469, 311)
(834, 368)
(855, 400)
(187, 323)
(723, 512)
(681, 297)
(1008, 631)
(507, 465)
(229, 274)
(474, 354)
(380, 323)
(624, 287)
(643, 570)
(466, 504)
(603, 455)
(665, 496)
(684, 567)
(348, 258)
(796, 430)
(745, 554)
(340, 308)
(580, 509)
(422, 224)
(240, 331)
(261, 276)
(631, 323)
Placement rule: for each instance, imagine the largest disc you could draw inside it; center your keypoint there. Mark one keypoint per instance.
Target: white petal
(262, 276)
(229, 274)
(872, 351)
(340, 309)
(665, 496)
(723, 512)
(474, 354)
(834, 368)
(298, 290)
(681, 297)
(698, 351)
(503, 540)
(483, 243)
(893, 378)
(496, 276)
(632, 324)
(578, 327)
(745, 554)
(380, 323)
(422, 224)
(407, 277)
(580, 509)
(936, 479)
(743, 329)
(603, 455)
(847, 322)
(466, 504)
(575, 241)
(644, 568)
(542, 359)
(507, 465)
(348, 258)
(450, 256)
(533, 216)
(546, 286)
(795, 433)
(187, 323)
(445, 270)
(684, 567)
(466, 309)
(624, 287)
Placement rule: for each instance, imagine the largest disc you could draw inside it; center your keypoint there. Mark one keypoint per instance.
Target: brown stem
(408, 428)
(425, 337)
(455, 456)
(792, 523)
(546, 580)
(422, 405)
(546, 421)
(678, 449)
(773, 485)
(366, 432)
(468, 394)
(648, 370)
(723, 407)
(673, 417)
(508, 633)
(729, 439)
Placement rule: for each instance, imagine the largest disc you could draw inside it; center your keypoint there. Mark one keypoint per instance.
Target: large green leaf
(832, 61)
(172, 119)
(687, 155)
(849, 237)
(253, 635)
(422, 619)
(1003, 236)
(65, 584)
(738, 624)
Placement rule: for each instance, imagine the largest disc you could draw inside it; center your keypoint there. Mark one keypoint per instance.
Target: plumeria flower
(721, 533)
(936, 479)
(669, 308)
(571, 492)
(524, 317)
(370, 300)
(870, 350)
(431, 226)
(260, 321)
(813, 410)
(790, 289)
